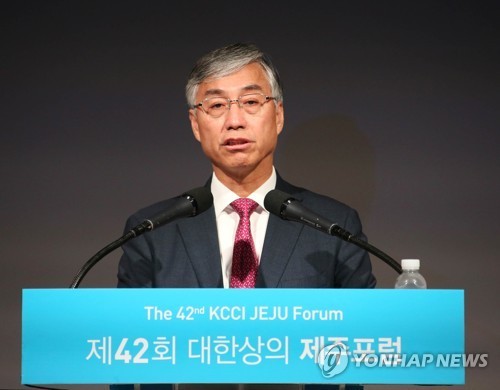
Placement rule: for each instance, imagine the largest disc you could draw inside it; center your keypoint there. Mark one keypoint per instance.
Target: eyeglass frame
(231, 101)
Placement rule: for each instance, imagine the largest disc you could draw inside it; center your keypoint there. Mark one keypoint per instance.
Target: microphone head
(275, 202)
(201, 198)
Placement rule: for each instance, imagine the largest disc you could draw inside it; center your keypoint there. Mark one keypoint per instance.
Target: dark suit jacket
(186, 253)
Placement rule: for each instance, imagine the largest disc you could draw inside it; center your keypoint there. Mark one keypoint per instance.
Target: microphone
(189, 204)
(288, 208)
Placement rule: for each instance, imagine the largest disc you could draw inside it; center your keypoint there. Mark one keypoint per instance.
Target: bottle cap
(410, 264)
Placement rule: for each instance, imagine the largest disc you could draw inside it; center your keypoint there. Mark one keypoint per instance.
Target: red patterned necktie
(245, 265)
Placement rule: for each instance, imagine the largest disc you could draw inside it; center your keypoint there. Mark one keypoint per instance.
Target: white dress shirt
(227, 220)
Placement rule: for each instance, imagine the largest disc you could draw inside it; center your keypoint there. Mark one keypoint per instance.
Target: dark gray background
(391, 107)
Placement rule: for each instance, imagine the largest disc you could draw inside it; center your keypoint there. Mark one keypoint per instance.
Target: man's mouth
(237, 141)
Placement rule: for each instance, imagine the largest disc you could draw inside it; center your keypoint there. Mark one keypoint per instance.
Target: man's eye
(217, 106)
(251, 102)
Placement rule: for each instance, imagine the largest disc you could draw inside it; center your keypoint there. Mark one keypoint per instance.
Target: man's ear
(280, 117)
(194, 124)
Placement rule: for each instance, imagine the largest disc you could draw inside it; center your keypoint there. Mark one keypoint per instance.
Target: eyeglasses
(217, 106)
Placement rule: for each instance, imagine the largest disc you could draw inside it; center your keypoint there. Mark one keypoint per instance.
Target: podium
(268, 336)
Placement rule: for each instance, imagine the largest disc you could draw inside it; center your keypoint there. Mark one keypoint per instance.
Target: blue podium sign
(243, 336)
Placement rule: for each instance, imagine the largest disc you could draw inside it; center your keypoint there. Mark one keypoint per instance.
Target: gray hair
(230, 59)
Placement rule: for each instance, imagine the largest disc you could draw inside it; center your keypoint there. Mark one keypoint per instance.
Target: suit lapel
(279, 243)
(199, 235)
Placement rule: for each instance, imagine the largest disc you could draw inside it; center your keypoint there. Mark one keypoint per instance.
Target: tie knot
(244, 206)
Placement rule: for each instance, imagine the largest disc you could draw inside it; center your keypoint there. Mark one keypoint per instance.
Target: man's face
(238, 143)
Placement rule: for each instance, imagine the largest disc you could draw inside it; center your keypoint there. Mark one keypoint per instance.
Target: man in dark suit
(236, 112)
(187, 254)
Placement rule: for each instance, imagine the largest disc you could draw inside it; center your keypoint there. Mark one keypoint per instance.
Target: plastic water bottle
(411, 277)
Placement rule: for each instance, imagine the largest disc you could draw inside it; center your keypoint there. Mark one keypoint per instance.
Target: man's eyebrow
(219, 92)
(214, 91)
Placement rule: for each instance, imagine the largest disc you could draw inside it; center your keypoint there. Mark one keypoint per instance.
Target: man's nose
(235, 116)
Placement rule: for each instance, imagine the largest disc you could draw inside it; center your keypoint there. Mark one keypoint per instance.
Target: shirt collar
(223, 196)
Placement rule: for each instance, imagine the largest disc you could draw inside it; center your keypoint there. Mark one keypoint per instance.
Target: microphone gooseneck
(288, 208)
(189, 204)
